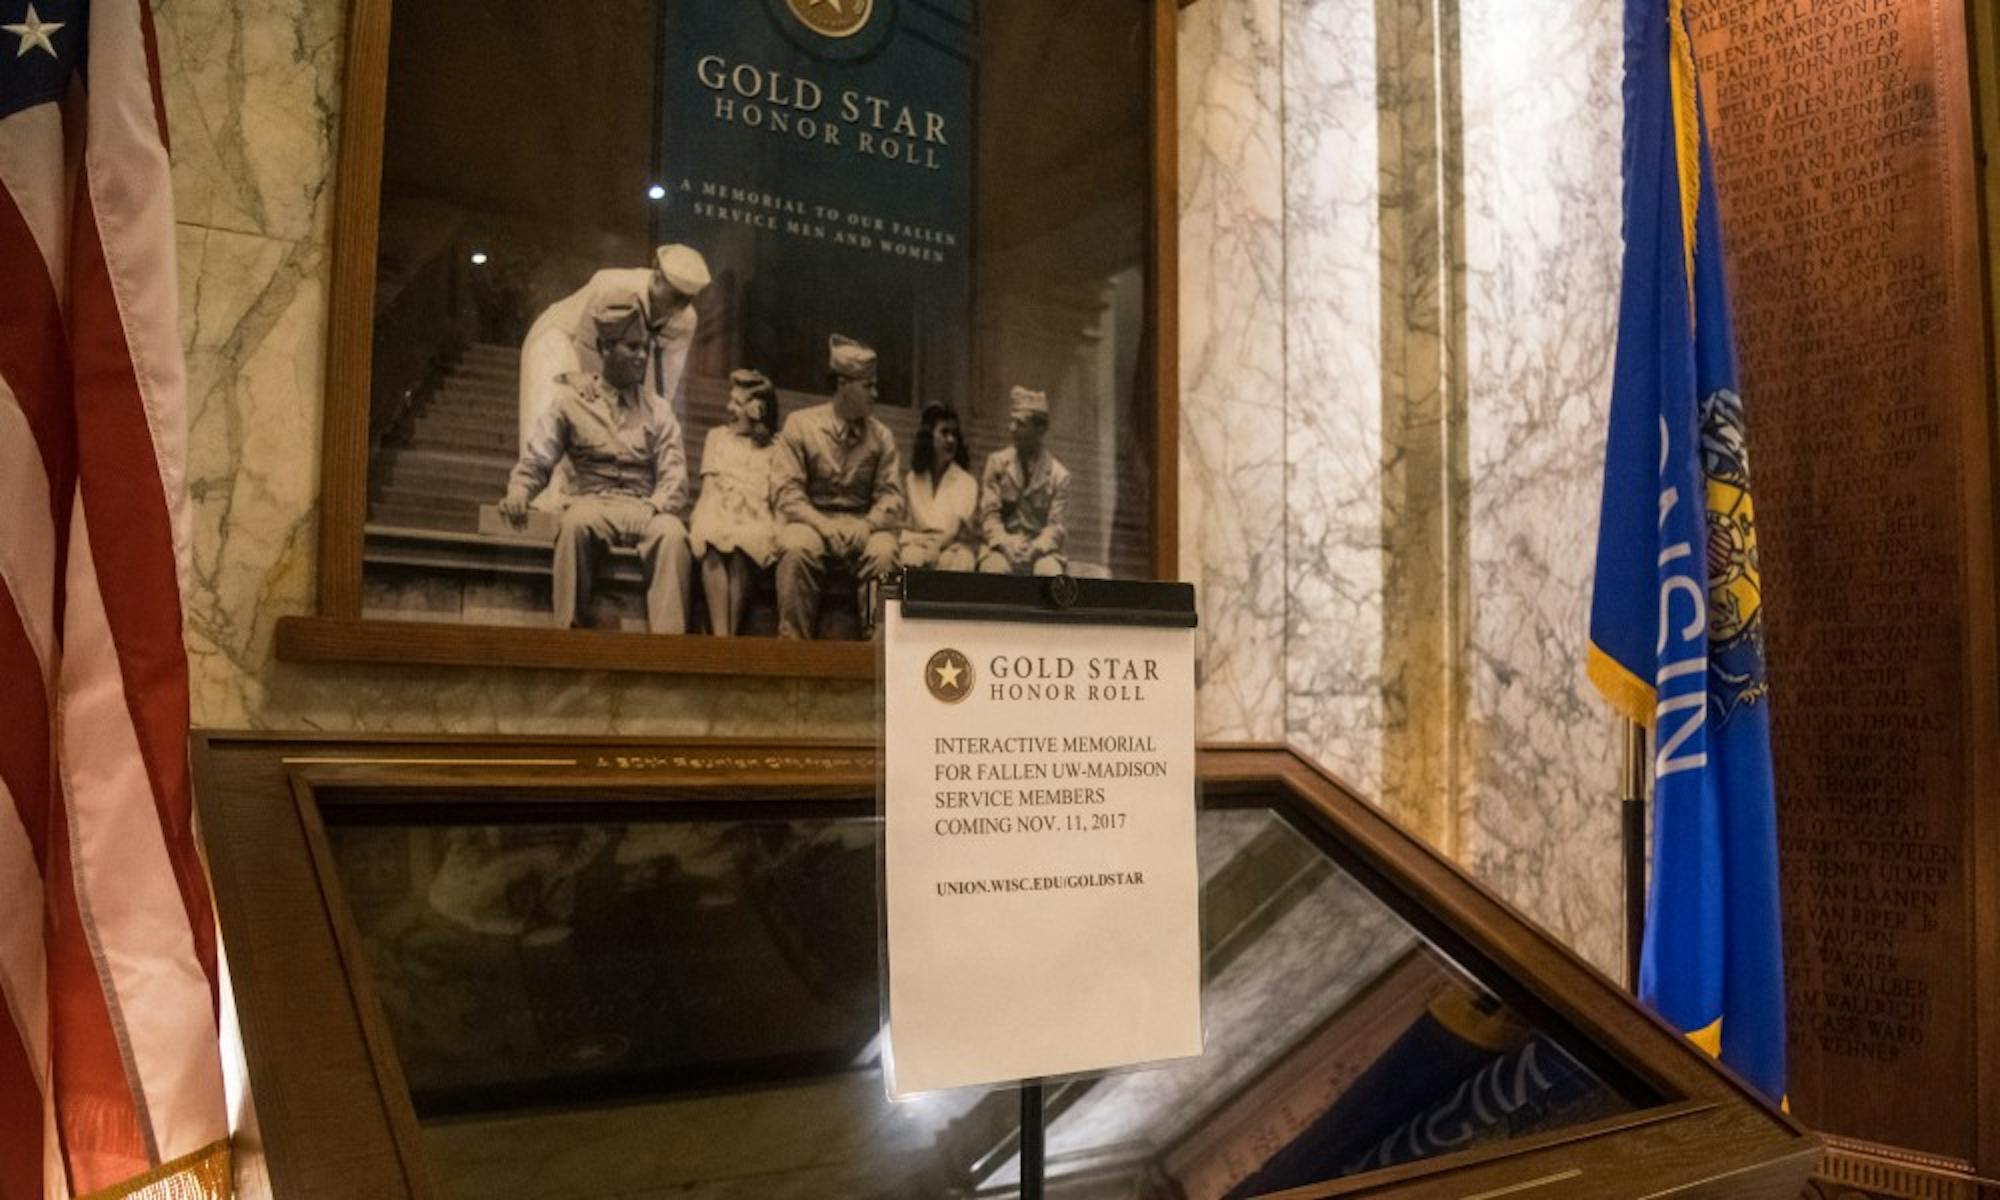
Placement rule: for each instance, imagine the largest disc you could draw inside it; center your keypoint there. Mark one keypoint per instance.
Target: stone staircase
(454, 449)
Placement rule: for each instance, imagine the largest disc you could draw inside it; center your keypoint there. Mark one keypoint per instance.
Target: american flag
(110, 1076)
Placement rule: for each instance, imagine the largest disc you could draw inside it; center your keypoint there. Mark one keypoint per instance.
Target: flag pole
(1633, 809)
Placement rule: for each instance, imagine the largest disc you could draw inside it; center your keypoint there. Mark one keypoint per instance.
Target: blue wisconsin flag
(1675, 630)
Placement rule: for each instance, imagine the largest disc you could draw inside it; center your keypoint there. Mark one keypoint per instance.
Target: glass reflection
(650, 1008)
(1338, 1041)
(689, 1008)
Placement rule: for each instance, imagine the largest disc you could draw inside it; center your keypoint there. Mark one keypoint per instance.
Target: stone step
(498, 417)
(440, 500)
(449, 458)
(500, 376)
(500, 405)
(443, 471)
(435, 550)
(495, 391)
(453, 433)
(443, 504)
(496, 383)
(416, 517)
(478, 408)
(491, 352)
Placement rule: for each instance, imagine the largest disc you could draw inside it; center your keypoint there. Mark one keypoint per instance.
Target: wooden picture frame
(336, 1117)
(339, 631)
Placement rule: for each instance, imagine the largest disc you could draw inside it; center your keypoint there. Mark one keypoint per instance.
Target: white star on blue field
(34, 33)
(47, 41)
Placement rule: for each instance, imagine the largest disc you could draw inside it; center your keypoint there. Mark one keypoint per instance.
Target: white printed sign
(1043, 897)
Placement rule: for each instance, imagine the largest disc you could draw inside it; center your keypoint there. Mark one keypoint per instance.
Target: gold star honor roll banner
(1043, 899)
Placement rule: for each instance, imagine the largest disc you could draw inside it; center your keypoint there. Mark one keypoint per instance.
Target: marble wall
(1539, 753)
(1334, 701)
(1389, 440)
(1451, 244)
(1234, 385)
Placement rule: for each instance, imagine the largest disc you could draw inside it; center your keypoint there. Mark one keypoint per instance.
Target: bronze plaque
(1842, 143)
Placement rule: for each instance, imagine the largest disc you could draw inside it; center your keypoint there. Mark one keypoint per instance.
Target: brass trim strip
(1510, 1189)
(332, 761)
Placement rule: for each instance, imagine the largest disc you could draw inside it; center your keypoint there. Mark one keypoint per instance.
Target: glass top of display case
(663, 979)
(702, 995)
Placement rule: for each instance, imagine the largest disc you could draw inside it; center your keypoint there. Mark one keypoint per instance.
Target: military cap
(684, 267)
(850, 359)
(1022, 402)
(613, 313)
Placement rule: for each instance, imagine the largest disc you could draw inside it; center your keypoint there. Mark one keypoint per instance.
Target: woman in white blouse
(943, 496)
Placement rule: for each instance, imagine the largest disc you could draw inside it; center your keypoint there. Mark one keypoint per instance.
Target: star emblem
(34, 34)
(948, 675)
(832, 18)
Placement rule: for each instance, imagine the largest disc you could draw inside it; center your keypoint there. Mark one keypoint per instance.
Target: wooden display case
(567, 968)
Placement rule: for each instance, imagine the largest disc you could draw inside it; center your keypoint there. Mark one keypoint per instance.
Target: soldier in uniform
(562, 340)
(1024, 496)
(630, 482)
(837, 488)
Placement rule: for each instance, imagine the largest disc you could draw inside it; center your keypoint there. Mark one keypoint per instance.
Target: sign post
(1042, 899)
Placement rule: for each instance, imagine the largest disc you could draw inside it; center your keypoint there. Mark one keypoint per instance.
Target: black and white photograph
(749, 306)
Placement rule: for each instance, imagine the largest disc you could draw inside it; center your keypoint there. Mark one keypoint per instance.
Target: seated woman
(733, 531)
(943, 496)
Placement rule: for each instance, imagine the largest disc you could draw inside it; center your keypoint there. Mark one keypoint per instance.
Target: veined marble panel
(1233, 420)
(253, 324)
(252, 92)
(1540, 753)
(1333, 389)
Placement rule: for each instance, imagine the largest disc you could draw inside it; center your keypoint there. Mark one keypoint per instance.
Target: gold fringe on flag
(202, 1175)
(1687, 133)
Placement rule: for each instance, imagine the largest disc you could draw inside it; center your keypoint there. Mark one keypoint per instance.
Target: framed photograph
(566, 968)
(666, 334)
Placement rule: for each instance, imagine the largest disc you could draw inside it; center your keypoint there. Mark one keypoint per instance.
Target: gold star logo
(833, 18)
(948, 675)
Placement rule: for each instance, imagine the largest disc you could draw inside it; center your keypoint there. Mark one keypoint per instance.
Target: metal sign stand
(1031, 1140)
(1633, 810)
(1056, 599)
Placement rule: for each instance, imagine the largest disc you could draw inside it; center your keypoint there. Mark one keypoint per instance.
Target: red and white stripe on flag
(110, 1071)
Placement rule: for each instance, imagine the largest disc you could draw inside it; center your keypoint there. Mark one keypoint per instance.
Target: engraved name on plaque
(1842, 140)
